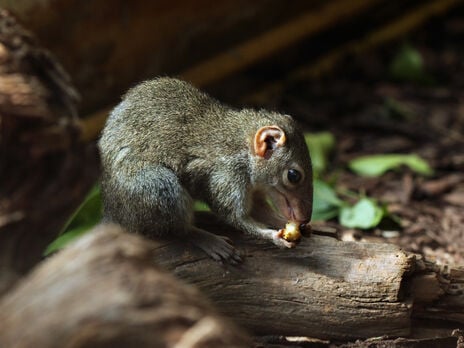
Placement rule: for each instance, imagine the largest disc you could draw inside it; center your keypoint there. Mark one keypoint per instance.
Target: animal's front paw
(279, 240)
(217, 247)
(220, 248)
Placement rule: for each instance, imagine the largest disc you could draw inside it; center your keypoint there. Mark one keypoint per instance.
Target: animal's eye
(294, 176)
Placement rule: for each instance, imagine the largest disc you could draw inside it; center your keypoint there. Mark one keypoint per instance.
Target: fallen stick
(324, 288)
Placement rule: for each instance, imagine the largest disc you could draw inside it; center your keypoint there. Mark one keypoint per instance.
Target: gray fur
(167, 143)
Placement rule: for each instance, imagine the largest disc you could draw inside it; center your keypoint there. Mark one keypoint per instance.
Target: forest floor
(369, 112)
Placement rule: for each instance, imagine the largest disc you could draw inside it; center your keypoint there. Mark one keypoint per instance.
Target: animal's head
(282, 168)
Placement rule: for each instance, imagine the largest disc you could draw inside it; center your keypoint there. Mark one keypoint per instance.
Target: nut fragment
(291, 232)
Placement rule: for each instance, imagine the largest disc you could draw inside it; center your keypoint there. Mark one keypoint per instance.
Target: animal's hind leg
(152, 201)
(149, 200)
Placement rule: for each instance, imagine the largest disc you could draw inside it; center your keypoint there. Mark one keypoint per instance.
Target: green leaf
(376, 165)
(66, 238)
(319, 145)
(326, 204)
(89, 211)
(408, 65)
(324, 192)
(86, 216)
(366, 213)
(325, 214)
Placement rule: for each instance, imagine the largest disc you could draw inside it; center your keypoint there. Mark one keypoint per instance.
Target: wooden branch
(324, 288)
(105, 291)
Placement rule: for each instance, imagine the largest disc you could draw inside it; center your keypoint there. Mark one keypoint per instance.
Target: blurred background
(109, 46)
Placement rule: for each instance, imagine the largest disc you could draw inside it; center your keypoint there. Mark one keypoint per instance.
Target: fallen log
(104, 291)
(324, 288)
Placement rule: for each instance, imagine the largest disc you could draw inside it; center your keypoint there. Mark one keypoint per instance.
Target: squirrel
(167, 143)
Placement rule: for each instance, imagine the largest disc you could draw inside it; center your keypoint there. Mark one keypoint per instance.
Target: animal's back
(156, 119)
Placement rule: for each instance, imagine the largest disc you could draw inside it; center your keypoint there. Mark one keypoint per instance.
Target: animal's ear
(267, 139)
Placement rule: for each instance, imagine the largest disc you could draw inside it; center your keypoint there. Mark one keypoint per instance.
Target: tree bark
(324, 288)
(104, 291)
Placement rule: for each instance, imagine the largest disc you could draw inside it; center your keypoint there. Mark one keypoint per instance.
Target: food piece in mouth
(292, 232)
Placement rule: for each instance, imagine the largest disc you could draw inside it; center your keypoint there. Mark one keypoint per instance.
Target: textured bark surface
(104, 291)
(438, 292)
(323, 288)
